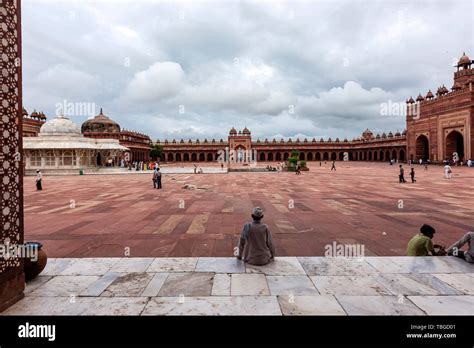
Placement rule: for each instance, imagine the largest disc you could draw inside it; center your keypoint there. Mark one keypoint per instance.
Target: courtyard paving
(202, 215)
(225, 286)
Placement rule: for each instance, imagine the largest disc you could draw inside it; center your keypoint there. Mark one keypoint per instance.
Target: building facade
(441, 126)
(60, 147)
(102, 127)
(365, 148)
(32, 123)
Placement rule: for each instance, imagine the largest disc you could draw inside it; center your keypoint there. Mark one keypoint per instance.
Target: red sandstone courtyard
(363, 203)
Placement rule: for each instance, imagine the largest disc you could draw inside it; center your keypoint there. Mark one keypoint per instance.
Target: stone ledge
(226, 286)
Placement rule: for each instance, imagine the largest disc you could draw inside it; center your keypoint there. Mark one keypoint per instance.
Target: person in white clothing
(39, 180)
(447, 171)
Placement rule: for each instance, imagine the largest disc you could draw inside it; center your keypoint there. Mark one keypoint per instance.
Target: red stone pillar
(12, 280)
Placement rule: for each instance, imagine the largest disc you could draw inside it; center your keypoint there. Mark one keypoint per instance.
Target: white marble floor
(226, 286)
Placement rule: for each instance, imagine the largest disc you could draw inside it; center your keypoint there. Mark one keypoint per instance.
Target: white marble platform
(226, 286)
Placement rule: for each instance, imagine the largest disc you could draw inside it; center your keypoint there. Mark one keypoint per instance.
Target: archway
(186, 157)
(99, 159)
(387, 155)
(394, 154)
(455, 144)
(178, 157)
(401, 155)
(202, 157)
(278, 156)
(422, 148)
(333, 156)
(381, 155)
(375, 155)
(302, 156)
(209, 157)
(325, 156)
(341, 156)
(270, 156)
(310, 156)
(193, 157)
(170, 157)
(262, 156)
(370, 155)
(285, 156)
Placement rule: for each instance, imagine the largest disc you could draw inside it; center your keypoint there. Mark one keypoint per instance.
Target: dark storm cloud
(283, 69)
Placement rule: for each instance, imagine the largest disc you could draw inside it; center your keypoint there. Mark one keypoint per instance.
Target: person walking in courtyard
(158, 178)
(401, 175)
(333, 167)
(412, 175)
(468, 255)
(422, 243)
(298, 170)
(155, 178)
(256, 244)
(39, 180)
(447, 171)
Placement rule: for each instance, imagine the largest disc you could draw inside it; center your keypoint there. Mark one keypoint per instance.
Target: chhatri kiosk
(61, 148)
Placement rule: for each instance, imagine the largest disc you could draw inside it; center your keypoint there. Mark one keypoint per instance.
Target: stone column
(12, 279)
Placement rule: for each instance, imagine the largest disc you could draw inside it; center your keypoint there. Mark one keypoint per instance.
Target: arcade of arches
(365, 148)
(382, 154)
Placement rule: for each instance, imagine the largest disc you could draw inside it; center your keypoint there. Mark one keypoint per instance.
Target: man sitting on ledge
(422, 245)
(256, 245)
(466, 255)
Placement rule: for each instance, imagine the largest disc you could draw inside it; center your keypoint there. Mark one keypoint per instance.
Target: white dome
(60, 125)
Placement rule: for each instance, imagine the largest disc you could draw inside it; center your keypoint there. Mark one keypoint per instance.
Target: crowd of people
(278, 168)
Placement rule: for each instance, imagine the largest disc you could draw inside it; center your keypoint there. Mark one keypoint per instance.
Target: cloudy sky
(283, 69)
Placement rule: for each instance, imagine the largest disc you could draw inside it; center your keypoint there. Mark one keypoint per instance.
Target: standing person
(320, 163)
(155, 178)
(333, 167)
(447, 171)
(421, 161)
(39, 179)
(426, 166)
(412, 175)
(297, 171)
(256, 244)
(401, 175)
(195, 168)
(222, 166)
(158, 178)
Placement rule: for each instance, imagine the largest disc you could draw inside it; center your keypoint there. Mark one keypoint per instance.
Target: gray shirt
(256, 244)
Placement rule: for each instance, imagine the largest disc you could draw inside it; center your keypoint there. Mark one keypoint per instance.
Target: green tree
(293, 160)
(156, 152)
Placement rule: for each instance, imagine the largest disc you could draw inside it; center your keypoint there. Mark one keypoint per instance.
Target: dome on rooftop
(60, 125)
(100, 124)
